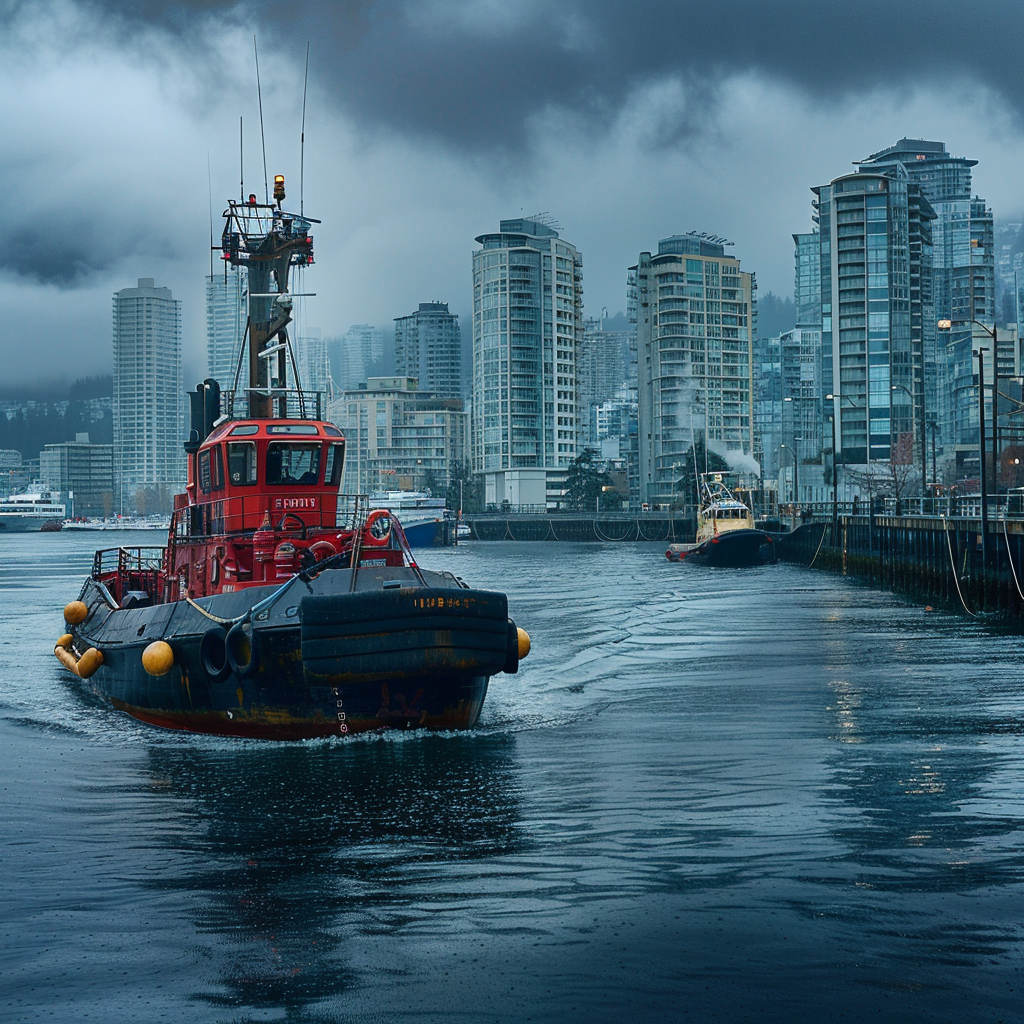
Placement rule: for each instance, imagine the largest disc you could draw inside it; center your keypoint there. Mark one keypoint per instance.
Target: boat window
(292, 428)
(332, 430)
(242, 462)
(205, 483)
(245, 429)
(335, 461)
(292, 463)
(217, 469)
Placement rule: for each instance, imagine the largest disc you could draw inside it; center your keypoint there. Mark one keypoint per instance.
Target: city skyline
(746, 141)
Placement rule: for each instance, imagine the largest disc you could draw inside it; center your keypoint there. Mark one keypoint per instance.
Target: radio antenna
(209, 183)
(241, 164)
(302, 138)
(263, 139)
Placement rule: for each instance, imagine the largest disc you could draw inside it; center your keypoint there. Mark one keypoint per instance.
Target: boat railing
(302, 404)
(127, 560)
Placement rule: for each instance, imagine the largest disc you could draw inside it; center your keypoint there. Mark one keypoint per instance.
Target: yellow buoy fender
(75, 612)
(89, 662)
(65, 640)
(524, 642)
(66, 658)
(158, 658)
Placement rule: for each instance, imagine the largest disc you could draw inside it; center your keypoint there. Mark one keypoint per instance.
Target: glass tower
(148, 421)
(226, 314)
(527, 331)
(428, 346)
(695, 313)
(876, 307)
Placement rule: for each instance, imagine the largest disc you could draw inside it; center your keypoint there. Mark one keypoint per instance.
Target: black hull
(319, 662)
(736, 549)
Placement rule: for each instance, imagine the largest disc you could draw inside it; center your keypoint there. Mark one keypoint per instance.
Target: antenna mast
(241, 164)
(302, 139)
(263, 139)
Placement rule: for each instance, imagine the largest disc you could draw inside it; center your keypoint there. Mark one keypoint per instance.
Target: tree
(466, 487)
(584, 481)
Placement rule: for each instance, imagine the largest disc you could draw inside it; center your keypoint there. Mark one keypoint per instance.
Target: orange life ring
(322, 549)
(377, 539)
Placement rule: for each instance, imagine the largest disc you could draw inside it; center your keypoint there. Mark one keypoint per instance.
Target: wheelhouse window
(335, 461)
(211, 473)
(242, 463)
(292, 463)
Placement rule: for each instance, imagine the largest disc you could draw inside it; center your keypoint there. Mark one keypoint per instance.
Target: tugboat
(726, 534)
(279, 608)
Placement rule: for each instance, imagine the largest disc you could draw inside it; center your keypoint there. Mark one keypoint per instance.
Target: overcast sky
(428, 121)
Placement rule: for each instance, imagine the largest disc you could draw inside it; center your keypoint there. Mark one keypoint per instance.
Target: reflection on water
(285, 844)
(770, 795)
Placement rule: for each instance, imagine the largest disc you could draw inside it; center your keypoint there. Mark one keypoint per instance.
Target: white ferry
(26, 513)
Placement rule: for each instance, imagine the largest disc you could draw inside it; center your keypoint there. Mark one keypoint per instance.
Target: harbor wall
(933, 560)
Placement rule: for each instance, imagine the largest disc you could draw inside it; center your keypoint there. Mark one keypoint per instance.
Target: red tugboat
(280, 608)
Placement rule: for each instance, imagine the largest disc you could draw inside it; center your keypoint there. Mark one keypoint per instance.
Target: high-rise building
(428, 346)
(226, 315)
(148, 420)
(82, 473)
(876, 310)
(695, 313)
(312, 362)
(356, 356)
(964, 262)
(399, 437)
(604, 369)
(527, 330)
(807, 279)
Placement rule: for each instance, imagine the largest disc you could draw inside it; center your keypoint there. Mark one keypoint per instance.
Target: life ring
(242, 649)
(213, 654)
(322, 549)
(377, 536)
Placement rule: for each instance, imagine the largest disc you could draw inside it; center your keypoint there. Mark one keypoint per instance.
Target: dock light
(945, 325)
(278, 187)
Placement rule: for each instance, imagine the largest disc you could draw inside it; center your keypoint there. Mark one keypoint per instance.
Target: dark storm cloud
(473, 74)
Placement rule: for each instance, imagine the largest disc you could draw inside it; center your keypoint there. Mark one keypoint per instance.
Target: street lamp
(913, 430)
(945, 325)
(796, 470)
(835, 472)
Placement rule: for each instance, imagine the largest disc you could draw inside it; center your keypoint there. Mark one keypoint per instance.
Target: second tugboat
(726, 534)
(279, 608)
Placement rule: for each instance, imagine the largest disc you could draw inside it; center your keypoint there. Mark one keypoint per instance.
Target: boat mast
(268, 242)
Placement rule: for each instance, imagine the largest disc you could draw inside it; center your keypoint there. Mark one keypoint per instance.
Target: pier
(930, 553)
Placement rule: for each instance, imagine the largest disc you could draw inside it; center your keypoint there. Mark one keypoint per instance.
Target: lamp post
(945, 325)
(796, 471)
(835, 470)
(913, 430)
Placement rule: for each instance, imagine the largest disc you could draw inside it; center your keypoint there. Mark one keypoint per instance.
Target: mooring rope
(1009, 555)
(820, 542)
(952, 565)
(605, 537)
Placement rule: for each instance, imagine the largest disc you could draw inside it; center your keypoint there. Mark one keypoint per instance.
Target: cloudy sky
(429, 120)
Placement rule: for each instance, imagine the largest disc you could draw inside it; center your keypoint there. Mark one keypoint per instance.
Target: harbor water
(710, 795)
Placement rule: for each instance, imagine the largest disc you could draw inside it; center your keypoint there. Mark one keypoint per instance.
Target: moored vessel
(278, 607)
(726, 534)
(29, 513)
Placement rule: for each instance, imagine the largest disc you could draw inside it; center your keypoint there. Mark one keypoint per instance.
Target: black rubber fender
(243, 650)
(213, 654)
(512, 650)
